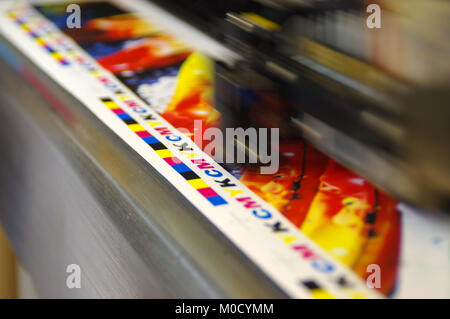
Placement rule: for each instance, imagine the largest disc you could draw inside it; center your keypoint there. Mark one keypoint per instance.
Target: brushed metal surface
(71, 192)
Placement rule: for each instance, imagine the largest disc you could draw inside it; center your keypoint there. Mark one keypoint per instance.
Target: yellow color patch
(25, 27)
(56, 55)
(111, 105)
(136, 127)
(40, 41)
(164, 153)
(198, 183)
(321, 294)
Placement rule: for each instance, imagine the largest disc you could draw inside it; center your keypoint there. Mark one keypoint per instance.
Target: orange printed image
(340, 211)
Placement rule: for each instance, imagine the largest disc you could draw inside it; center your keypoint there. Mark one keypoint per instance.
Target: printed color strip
(159, 148)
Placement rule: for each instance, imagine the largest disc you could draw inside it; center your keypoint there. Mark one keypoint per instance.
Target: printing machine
(316, 60)
(323, 83)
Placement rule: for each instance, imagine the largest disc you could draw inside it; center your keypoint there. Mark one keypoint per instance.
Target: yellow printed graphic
(111, 105)
(40, 41)
(164, 153)
(25, 27)
(198, 183)
(321, 294)
(136, 127)
(56, 55)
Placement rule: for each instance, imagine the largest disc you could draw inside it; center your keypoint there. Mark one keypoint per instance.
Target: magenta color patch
(172, 160)
(143, 134)
(207, 192)
(118, 111)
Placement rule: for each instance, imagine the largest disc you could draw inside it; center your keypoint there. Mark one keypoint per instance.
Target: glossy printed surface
(340, 211)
